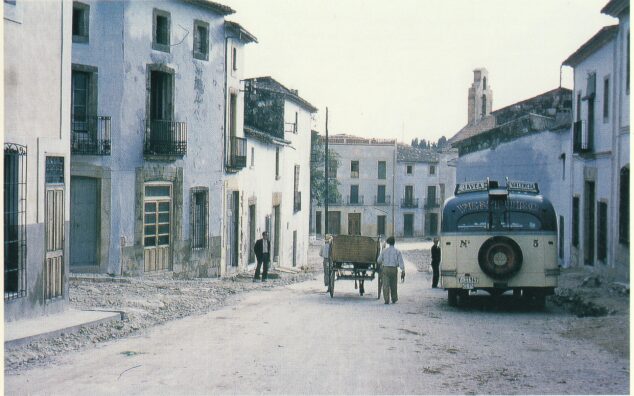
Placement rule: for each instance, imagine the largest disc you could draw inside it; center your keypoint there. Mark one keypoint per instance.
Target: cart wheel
(380, 282)
(331, 287)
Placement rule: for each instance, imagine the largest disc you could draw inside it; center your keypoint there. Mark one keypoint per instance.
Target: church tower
(480, 96)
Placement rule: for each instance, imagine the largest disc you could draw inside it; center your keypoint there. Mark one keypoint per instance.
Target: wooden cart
(353, 257)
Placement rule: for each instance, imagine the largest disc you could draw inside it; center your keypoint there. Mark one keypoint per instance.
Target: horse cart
(353, 257)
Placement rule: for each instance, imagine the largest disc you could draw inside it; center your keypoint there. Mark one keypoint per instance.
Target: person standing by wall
(435, 263)
(391, 258)
(325, 253)
(262, 250)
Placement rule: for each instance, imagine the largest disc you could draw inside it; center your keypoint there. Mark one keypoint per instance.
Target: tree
(317, 177)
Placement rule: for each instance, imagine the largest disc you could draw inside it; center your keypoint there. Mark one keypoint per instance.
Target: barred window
(14, 221)
(199, 215)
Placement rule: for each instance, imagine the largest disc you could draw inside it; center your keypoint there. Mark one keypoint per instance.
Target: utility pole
(326, 177)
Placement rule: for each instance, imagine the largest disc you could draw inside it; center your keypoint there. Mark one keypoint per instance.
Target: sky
(402, 68)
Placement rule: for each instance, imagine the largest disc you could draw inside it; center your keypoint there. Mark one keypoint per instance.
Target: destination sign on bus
(522, 186)
(472, 186)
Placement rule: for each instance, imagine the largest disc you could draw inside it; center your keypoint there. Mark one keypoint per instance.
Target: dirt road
(297, 340)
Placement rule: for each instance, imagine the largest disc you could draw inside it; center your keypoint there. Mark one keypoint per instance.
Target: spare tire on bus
(500, 257)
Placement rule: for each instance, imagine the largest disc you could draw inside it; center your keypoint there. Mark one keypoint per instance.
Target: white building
(151, 84)
(366, 175)
(274, 189)
(386, 189)
(424, 180)
(600, 146)
(36, 156)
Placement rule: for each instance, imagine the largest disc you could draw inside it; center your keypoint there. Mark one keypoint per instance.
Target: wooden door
(408, 225)
(354, 223)
(54, 262)
(157, 227)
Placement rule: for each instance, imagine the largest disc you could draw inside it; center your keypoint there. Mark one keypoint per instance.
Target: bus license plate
(468, 282)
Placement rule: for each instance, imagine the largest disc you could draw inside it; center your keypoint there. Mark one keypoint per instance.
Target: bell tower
(480, 96)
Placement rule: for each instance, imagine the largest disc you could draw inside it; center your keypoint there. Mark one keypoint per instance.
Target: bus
(499, 238)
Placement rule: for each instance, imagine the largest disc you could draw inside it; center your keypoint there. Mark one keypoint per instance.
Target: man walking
(391, 258)
(262, 250)
(435, 263)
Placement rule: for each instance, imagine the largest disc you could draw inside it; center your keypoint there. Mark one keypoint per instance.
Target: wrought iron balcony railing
(409, 203)
(237, 153)
(432, 202)
(355, 200)
(297, 201)
(92, 136)
(384, 200)
(165, 138)
(581, 137)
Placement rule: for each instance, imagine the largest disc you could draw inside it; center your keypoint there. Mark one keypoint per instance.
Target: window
(575, 221)
(381, 170)
(295, 127)
(332, 168)
(380, 225)
(199, 215)
(297, 196)
(606, 99)
(277, 163)
(201, 40)
(380, 194)
(432, 169)
(252, 157)
(354, 169)
(318, 222)
(484, 105)
(14, 221)
(578, 109)
(81, 17)
(624, 206)
(602, 231)
(354, 194)
(409, 169)
(234, 58)
(161, 31)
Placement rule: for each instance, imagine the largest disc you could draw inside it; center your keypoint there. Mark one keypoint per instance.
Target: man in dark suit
(435, 263)
(262, 250)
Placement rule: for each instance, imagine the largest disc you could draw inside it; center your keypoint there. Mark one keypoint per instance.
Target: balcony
(165, 138)
(91, 137)
(354, 200)
(409, 203)
(385, 200)
(237, 153)
(581, 138)
(297, 201)
(432, 203)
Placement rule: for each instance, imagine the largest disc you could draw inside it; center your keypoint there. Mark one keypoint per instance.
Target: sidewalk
(24, 331)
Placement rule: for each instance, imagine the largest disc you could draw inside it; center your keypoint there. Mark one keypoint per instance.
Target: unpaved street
(297, 340)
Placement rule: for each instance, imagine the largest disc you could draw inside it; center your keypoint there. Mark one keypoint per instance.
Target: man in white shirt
(391, 258)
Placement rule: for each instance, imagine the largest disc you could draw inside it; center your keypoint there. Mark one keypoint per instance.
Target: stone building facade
(150, 87)
(36, 157)
(600, 145)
